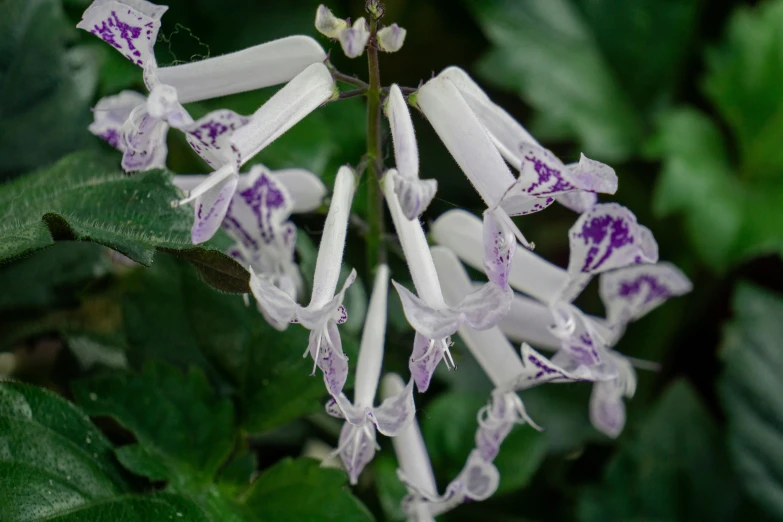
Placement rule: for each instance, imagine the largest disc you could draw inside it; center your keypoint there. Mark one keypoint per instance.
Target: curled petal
(391, 38)
(262, 65)
(577, 336)
(630, 293)
(211, 208)
(354, 39)
(480, 479)
(357, 448)
(499, 248)
(485, 307)
(314, 316)
(395, 412)
(539, 370)
(333, 408)
(414, 194)
(275, 302)
(130, 26)
(543, 174)
(496, 420)
(110, 115)
(340, 407)
(425, 357)
(143, 139)
(607, 237)
(163, 104)
(607, 409)
(209, 136)
(327, 24)
(430, 322)
(578, 201)
(592, 176)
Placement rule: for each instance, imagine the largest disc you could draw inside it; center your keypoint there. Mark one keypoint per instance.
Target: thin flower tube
(433, 320)
(415, 194)
(325, 310)
(542, 175)
(477, 481)
(357, 439)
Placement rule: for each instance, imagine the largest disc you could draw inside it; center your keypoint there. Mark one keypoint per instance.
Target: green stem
(376, 249)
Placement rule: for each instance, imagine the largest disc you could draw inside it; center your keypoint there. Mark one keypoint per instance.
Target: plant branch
(350, 80)
(352, 94)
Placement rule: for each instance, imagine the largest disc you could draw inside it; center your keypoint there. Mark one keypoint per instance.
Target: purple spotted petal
(394, 413)
(542, 173)
(328, 354)
(275, 302)
(539, 370)
(479, 478)
(143, 139)
(209, 136)
(608, 237)
(333, 409)
(578, 200)
(592, 176)
(630, 293)
(333, 311)
(211, 208)
(499, 247)
(110, 115)
(130, 26)
(497, 423)
(339, 406)
(576, 335)
(517, 202)
(163, 104)
(357, 448)
(424, 360)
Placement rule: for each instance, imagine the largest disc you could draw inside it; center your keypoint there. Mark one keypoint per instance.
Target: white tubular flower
(306, 92)
(354, 39)
(131, 26)
(391, 38)
(327, 24)
(542, 176)
(508, 372)
(428, 313)
(357, 438)
(477, 481)
(231, 149)
(414, 194)
(257, 219)
(325, 310)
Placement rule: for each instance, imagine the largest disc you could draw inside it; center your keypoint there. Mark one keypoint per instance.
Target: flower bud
(354, 39)
(391, 38)
(327, 24)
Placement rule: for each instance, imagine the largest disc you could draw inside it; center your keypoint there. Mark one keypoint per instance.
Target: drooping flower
(258, 220)
(357, 439)
(477, 481)
(325, 310)
(433, 320)
(414, 194)
(131, 26)
(543, 178)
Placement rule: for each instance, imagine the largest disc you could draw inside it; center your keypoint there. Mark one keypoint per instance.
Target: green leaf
(170, 314)
(51, 277)
(752, 394)
(449, 425)
(180, 426)
(674, 468)
(46, 89)
(296, 490)
(590, 71)
(82, 198)
(743, 81)
(56, 465)
(727, 218)
(390, 490)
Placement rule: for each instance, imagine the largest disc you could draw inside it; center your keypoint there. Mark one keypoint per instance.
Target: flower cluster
(524, 298)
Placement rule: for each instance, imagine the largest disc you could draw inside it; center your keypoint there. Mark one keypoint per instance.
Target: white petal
(368, 366)
(330, 250)
(391, 38)
(143, 140)
(306, 189)
(578, 201)
(632, 292)
(480, 478)
(413, 194)
(430, 322)
(340, 407)
(500, 245)
(465, 138)
(301, 96)
(130, 26)
(462, 232)
(209, 136)
(416, 249)
(490, 347)
(163, 104)
(263, 65)
(395, 413)
(110, 115)
(327, 24)
(313, 316)
(354, 39)
(409, 444)
(483, 308)
(276, 302)
(357, 448)
(406, 152)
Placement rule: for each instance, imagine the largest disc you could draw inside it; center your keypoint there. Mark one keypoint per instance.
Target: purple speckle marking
(112, 28)
(546, 175)
(655, 289)
(596, 231)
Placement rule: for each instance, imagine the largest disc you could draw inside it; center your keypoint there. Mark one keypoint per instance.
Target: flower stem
(376, 249)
